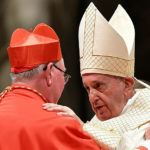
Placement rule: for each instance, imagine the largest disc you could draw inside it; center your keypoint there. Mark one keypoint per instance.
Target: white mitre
(106, 47)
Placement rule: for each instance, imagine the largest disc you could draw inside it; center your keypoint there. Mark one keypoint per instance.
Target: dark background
(64, 16)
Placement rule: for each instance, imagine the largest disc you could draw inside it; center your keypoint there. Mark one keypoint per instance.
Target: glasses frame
(66, 75)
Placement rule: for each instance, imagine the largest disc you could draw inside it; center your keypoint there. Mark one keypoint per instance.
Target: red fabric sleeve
(70, 136)
(141, 148)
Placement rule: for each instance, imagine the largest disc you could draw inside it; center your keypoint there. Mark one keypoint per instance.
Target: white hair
(27, 75)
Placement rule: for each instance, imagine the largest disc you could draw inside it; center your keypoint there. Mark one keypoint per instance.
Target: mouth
(98, 108)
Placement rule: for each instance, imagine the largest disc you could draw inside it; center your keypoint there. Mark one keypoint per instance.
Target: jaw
(103, 113)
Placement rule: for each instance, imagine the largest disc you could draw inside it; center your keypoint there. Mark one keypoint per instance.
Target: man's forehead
(92, 76)
(97, 77)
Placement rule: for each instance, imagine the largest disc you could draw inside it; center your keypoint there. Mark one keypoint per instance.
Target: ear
(129, 85)
(49, 74)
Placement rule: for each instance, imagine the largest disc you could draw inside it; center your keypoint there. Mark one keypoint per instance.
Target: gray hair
(27, 75)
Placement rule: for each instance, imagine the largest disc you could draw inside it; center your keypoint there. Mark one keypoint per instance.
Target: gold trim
(9, 89)
(88, 60)
(94, 31)
(113, 57)
(82, 52)
(125, 67)
(87, 13)
(108, 70)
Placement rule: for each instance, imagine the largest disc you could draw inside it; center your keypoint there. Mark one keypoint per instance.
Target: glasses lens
(66, 77)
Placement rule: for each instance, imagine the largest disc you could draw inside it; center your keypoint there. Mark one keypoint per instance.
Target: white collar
(130, 102)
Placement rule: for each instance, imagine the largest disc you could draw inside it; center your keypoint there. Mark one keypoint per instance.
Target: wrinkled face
(57, 81)
(106, 94)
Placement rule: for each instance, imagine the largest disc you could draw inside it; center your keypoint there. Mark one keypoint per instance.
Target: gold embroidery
(9, 89)
(116, 65)
(137, 116)
(112, 64)
(90, 17)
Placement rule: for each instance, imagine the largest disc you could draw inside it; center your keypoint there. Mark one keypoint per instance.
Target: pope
(122, 112)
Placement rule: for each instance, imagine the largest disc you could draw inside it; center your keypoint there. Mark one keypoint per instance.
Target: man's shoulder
(66, 121)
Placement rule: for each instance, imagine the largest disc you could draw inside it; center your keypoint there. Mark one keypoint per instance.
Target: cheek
(59, 85)
(109, 100)
(117, 104)
(92, 106)
(58, 91)
(60, 79)
(105, 99)
(100, 99)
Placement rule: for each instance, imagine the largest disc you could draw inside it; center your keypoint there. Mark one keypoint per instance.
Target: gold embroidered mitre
(106, 47)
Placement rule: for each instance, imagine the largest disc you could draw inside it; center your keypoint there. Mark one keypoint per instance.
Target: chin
(103, 117)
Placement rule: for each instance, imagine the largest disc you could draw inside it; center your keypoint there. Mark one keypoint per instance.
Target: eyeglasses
(66, 75)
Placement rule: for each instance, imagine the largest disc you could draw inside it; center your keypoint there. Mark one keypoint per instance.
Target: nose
(93, 95)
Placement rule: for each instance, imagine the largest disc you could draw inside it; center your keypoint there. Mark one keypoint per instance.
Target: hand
(64, 110)
(147, 133)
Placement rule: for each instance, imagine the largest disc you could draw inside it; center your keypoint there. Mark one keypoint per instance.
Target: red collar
(21, 86)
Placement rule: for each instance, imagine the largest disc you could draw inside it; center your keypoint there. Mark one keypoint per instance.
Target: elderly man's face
(107, 94)
(58, 81)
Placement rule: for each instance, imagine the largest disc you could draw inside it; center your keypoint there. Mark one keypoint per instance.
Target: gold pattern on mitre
(110, 132)
(106, 47)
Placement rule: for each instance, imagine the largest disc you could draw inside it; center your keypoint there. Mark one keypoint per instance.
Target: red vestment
(25, 125)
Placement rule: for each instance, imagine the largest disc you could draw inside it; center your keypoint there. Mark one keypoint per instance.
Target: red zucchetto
(28, 50)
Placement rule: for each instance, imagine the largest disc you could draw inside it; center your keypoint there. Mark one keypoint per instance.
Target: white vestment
(125, 132)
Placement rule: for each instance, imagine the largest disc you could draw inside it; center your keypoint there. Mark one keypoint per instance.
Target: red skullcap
(28, 50)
